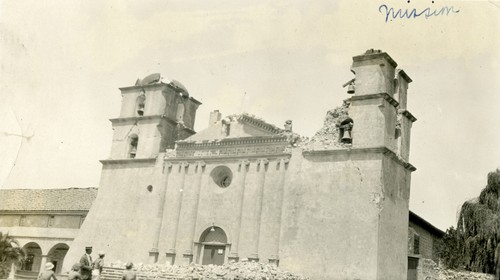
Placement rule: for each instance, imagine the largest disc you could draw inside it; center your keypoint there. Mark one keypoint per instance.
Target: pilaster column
(261, 165)
(183, 166)
(154, 252)
(243, 168)
(42, 263)
(274, 258)
(199, 168)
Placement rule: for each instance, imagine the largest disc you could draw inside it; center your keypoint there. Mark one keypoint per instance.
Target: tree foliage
(452, 245)
(474, 244)
(10, 251)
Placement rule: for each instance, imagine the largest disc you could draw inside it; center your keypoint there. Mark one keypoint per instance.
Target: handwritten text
(392, 14)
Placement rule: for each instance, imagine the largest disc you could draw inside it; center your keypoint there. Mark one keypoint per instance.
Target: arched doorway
(30, 267)
(56, 256)
(213, 246)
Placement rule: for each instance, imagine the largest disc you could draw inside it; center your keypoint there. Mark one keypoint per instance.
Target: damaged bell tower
(377, 79)
(347, 194)
(383, 124)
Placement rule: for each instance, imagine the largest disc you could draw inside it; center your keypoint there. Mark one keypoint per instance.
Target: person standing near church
(86, 264)
(99, 264)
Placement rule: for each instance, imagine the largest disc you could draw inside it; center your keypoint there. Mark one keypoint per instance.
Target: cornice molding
(250, 158)
(187, 129)
(384, 95)
(375, 55)
(128, 160)
(45, 212)
(139, 87)
(48, 238)
(153, 86)
(409, 116)
(234, 141)
(372, 150)
(141, 118)
(403, 74)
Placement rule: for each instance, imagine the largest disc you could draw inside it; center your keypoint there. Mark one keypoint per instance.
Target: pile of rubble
(328, 136)
(429, 270)
(230, 271)
(446, 274)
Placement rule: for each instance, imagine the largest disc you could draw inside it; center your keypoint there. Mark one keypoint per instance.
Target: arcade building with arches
(44, 222)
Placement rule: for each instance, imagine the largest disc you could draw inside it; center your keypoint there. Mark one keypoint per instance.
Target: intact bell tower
(154, 114)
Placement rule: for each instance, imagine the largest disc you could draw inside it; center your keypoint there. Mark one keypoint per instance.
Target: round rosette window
(222, 176)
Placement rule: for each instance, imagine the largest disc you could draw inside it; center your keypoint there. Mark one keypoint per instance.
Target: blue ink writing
(391, 14)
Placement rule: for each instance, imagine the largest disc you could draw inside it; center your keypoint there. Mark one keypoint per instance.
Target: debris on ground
(230, 271)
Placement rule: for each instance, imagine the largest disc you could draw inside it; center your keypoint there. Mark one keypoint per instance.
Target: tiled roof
(47, 199)
(414, 218)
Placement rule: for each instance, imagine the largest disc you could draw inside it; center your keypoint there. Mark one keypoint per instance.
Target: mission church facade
(332, 206)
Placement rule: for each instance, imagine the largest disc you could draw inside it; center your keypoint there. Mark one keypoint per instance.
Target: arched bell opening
(140, 104)
(345, 129)
(179, 117)
(132, 147)
(213, 247)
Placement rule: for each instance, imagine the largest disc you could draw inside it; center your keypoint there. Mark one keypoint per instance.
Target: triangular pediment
(235, 126)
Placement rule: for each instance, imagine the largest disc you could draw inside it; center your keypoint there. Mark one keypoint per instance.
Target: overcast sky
(62, 63)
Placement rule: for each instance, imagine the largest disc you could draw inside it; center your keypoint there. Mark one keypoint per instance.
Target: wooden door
(412, 268)
(213, 254)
